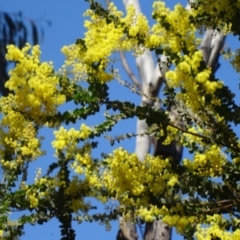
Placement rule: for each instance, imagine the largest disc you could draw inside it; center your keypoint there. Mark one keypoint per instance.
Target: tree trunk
(157, 230)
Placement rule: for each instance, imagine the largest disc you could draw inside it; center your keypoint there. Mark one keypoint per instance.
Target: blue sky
(67, 25)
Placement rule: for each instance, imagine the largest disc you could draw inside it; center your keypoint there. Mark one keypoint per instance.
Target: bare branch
(145, 97)
(129, 71)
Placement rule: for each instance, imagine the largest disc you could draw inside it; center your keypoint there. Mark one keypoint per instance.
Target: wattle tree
(199, 196)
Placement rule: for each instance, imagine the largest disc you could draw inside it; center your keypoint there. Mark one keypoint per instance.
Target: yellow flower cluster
(75, 190)
(18, 136)
(83, 163)
(136, 24)
(34, 84)
(34, 194)
(43, 188)
(100, 41)
(188, 138)
(216, 229)
(147, 214)
(171, 135)
(73, 64)
(187, 75)
(33, 199)
(102, 38)
(125, 174)
(126, 178)
(214, 8)
(179, 221)
(68, 139)
(173, 29)
(152, 212)
(127, 34)
(209, 163)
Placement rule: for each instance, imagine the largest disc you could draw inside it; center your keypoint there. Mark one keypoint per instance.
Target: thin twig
(205, 137)
(128, 71)
(135, 88)
(208, 138)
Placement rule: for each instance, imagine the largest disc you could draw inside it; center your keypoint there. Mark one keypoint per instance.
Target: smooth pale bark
(143, 142)
(217, 44)
(206, 44)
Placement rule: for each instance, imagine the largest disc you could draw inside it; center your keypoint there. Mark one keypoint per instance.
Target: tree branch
(129, 71)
